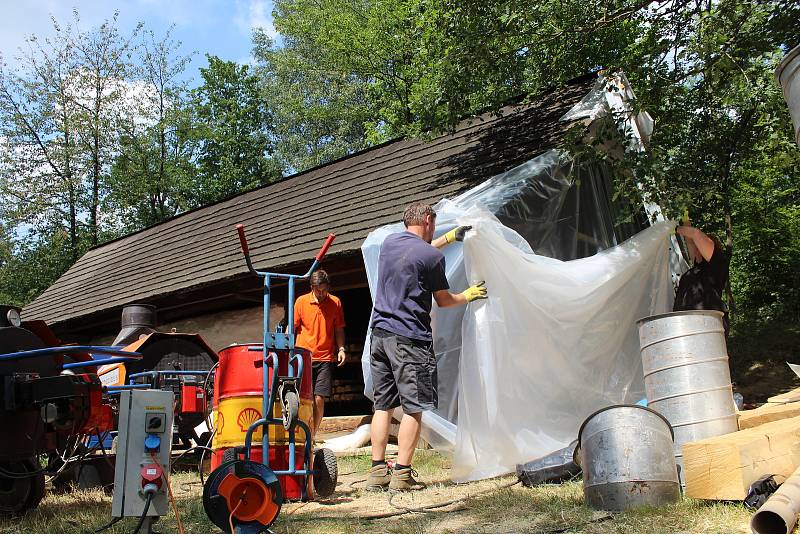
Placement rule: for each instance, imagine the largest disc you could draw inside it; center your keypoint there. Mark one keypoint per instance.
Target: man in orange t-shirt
(319, 324)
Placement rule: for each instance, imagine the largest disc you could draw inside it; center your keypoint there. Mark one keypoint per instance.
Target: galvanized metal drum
(626, 455)
(686, 374)
(788, 75)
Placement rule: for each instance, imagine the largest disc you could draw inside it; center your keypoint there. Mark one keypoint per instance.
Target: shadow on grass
(758, 356)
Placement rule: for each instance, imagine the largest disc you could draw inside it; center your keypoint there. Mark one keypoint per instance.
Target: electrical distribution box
(145, 435)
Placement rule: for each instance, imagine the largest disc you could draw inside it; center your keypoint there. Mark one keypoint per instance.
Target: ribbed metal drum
(788, 75)
(686, 374)
(238, 402)
(625, 453)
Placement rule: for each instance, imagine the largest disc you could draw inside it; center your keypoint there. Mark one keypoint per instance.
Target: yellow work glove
(478, 291)
(456, 234)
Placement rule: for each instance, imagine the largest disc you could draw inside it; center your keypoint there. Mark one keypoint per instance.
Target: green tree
(41, 179)
(153, 174)
(317, 116)
(62, 112)
(702, 68)
(100, 89)
(232, 128)
(30, 264)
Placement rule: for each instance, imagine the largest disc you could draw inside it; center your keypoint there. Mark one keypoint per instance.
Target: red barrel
(278, 461)
(237, 403)
(240, 372)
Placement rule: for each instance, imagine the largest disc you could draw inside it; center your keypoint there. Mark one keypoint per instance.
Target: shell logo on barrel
(247, 417)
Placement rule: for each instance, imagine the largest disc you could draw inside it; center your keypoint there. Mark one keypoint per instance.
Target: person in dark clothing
(702, 287)
(403, 366)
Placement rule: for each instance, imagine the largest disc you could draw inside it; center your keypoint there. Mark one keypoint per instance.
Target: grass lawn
(490, 506)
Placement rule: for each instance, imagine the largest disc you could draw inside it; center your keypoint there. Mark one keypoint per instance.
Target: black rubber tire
(37, 487)
(326, 471)
(291, 408)
(18, 495)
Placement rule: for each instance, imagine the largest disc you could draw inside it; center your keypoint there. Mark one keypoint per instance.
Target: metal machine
(243, 494)
(51, 404)
(171, 361)
(141, 487)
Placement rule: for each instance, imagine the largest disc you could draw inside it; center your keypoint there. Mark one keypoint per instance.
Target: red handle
(243, 239)
(324, 249)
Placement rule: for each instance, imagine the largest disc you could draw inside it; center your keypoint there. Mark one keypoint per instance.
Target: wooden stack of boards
(767, 443)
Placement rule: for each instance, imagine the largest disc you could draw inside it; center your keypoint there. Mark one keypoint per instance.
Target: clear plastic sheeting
(614, 95)
(554, 342)
(551, 208)
(562, 211)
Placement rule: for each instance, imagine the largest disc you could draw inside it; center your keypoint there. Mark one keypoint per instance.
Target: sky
(217, 27)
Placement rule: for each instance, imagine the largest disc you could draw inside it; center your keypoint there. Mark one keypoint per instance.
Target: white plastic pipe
(358, 438)
(779, 514)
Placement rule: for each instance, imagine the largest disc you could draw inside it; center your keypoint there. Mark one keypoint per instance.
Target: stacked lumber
(784, 398)
(347, 390)
(767, 413)
(723, 467)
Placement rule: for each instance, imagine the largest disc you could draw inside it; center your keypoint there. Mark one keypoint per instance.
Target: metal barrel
(686, 375)
(625, 453)
(238, 402)
(788, 75)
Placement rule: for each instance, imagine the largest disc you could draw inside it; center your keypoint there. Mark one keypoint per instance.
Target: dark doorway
(348, 385)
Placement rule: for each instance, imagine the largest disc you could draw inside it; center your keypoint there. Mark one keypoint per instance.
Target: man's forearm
(445, 299)
(439, 242)
(339, 335)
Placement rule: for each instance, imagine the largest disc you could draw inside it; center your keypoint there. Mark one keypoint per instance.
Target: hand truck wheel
(326, 471)
(291, 408)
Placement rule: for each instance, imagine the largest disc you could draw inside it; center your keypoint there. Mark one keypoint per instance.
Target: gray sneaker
(379, 478)
(403, 480)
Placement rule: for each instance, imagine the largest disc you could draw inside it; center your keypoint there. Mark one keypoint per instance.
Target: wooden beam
(723, 467)
(767, 413)
(783, 398)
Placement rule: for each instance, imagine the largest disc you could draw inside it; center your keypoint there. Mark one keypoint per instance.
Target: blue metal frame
(92, 350)
(279, 341)
(94, 363)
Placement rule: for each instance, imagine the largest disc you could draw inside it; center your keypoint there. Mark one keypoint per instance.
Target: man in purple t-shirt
(403, 365)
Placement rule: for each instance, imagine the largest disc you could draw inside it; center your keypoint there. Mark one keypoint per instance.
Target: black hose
(103, 449)
(203, 456)
(15, 475)
(109, 525)
(187, 451)
(144, 513)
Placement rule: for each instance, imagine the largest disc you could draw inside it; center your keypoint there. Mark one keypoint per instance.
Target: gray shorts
(403, 373)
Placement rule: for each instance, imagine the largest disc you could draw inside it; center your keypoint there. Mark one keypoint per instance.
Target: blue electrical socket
(152, 443)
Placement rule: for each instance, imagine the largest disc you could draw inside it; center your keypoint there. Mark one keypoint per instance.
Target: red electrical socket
(151, 474)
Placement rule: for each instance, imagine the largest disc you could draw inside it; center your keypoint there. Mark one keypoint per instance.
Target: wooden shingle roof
(287, 221)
